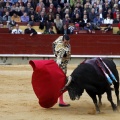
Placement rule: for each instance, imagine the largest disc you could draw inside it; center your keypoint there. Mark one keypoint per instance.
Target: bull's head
(72, 88)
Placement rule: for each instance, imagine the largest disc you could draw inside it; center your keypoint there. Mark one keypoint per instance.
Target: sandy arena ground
(18, 101)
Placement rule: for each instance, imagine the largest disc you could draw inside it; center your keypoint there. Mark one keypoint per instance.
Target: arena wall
(19, 49)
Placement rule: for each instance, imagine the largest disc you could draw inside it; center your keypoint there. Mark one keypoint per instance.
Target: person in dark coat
(65, 29)
(30, 30)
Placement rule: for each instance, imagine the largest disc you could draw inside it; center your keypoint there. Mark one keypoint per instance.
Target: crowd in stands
(82, 14)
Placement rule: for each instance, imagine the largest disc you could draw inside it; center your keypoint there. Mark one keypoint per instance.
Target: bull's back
(87, 78)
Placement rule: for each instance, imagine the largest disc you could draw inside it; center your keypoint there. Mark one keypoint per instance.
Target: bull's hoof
(97, 112)
(115, 108)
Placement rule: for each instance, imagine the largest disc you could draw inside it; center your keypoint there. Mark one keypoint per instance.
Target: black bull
(86, 77)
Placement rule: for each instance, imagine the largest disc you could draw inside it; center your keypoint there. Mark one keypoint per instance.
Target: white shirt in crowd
(17, 31)
(108, 21)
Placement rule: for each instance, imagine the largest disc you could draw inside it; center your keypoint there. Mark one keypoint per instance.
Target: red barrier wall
(81, 44)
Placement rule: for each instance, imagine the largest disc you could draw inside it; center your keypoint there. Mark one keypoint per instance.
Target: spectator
(80, 7)
(92, 15)
(58, 11)
(110, 13)
(76, 11)
(95, 7)
(15, 17)
(8, 6)
(87, 7)
(56, 3)
(105, 8)
(48, 2)
(58, 24)
(30, 30)
(17, 30)
(108, 20)
(31, 2)
(88, 27)
(49, 31)
(115, 12)
(32, 12)
(39, 7)
(27, 8)
(100, 12)
(50, 12)
(7, 17)
(67, 19)
(25, 17)
(21, 3)
(49, 21)
(32, 19)
(76, 19)
(65, 29)
(2, 3)
(99, 4)
(108, 28)
(66, 6)
(67, 11)
(22, 11)
(51, 7)
(42, 20)
(11, 24)
(13, 8)
(84, 21)
(117, 19)
(97, 22)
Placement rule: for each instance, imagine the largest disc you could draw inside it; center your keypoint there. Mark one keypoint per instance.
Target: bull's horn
(69, 81)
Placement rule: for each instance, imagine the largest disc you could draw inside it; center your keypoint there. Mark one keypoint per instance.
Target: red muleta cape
(47, 81)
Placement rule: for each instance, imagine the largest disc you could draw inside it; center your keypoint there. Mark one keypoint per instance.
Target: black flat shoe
(64, 105)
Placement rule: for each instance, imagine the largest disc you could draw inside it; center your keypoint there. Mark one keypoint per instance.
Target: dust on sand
(18, 101)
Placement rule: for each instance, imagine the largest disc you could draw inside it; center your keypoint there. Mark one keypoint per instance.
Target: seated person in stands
(25, 17)
(108, 20)
(30, 30)
(88, 27)
(17, 30)
(76, 18)
(11, 24)
(65, 29)
(108, 28)
(49, 31)
(6, 17)
(15, 17)
(117, 19)
(84, 21)
(97, 22)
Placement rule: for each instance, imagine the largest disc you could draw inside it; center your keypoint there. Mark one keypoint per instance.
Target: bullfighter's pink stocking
(61, 101)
